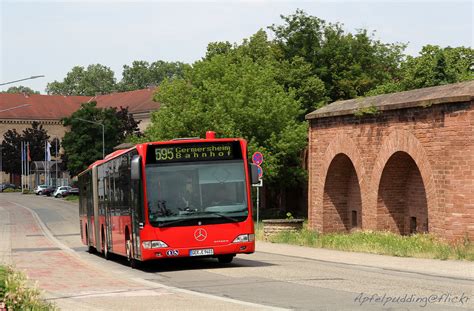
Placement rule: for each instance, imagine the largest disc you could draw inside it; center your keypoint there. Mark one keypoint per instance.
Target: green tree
(128, 124)
(349, 64)
(11, 152)
(238, 93)
(83, 143)
(433, 66)
(55, 142)
(37, 137)
(21, 89)
(142, 74)
(96, 79)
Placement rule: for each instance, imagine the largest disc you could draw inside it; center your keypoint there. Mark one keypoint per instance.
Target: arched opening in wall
(342, 204)
(401, 204)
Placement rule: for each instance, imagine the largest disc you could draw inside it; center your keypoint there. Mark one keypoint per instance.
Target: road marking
(48, 233)
(70, 251)
(119, 293)
(204, 295)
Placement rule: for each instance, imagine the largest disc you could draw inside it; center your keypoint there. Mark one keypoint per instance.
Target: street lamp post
(32, 77)
(103, 135)
(16, 107)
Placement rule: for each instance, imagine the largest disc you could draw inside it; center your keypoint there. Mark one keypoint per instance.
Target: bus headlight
(154, 244)
(244, 238)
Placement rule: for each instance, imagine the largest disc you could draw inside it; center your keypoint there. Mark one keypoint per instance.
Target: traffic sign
(257, 158)
(260, 171)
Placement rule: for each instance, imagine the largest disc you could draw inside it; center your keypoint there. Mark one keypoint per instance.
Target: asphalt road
(288, 280)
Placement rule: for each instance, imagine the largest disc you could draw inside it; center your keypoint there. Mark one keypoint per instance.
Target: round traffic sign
(260, 171)
(257, 158)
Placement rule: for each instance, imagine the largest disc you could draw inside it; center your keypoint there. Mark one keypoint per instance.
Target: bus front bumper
(202, 251)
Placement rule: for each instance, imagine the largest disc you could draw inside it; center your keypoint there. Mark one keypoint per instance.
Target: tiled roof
(136, 101)
(450, 93)
(56, 107)
(42, 107)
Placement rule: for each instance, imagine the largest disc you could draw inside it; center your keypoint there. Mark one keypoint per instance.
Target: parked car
(60, 191)
(7, 186)
(49, 191)
(40, 188)
(72, 191)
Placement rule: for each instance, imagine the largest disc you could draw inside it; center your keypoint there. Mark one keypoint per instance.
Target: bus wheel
(105, 252)
(225, 258)
(90, 248)
(132, 261)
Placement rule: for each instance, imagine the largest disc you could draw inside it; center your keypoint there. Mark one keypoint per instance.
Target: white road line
(67, 249)
(204, 295)
(48, 233)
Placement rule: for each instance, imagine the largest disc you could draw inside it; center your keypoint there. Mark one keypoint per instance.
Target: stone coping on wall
(279, 221)
(425, 97)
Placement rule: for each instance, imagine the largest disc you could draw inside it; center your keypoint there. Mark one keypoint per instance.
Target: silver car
(39, 189)
(60, 191)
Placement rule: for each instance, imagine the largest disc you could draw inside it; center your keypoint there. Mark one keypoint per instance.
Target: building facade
(49, 110)
(400, 162)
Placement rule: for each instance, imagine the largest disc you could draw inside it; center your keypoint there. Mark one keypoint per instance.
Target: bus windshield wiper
(172, 222)
(222, 216)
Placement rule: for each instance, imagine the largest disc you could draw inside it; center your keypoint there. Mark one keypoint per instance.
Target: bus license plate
(201, 252)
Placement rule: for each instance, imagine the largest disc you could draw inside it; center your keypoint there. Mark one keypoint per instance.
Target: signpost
(257, 159)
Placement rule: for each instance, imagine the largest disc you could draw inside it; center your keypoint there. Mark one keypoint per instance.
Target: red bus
(178, 198)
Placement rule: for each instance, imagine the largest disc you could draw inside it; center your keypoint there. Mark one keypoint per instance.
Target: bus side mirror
(136, 167)
(254, 174)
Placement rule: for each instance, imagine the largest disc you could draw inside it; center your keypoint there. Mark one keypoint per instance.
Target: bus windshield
(185, 194)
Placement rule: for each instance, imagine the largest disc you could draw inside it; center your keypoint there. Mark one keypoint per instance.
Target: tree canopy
(433, 66)
(142, 74)
(96, 79)
(349, 64)
(21, 89)
(36, 136)
(83, 143)
(236, 91)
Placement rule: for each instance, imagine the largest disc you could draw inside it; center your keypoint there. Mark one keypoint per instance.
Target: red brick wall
(435, 167)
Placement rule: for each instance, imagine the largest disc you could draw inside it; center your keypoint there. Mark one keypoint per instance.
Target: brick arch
(340, 145)
(400, 141)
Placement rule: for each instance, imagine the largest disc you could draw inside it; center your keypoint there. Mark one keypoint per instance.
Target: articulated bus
(178, 198)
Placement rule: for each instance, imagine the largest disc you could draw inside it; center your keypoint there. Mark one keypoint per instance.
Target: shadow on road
(180, 264)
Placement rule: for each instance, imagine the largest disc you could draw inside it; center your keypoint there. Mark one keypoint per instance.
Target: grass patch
(384, 243)
(10, 190)
(3, 276)
(16, 294)
(72, 198)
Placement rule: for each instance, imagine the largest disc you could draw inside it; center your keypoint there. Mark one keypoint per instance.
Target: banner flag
(28, 156)
(48, 151)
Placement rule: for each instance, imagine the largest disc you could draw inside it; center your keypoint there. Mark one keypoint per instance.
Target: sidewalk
(5, 237)
(75, 284)
(444, 268)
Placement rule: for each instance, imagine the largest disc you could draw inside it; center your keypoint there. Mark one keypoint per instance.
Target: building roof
(56, 107)
(137, 101)
(450, 93)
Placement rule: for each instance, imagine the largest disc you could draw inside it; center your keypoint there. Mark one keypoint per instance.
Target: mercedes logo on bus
(200, 234)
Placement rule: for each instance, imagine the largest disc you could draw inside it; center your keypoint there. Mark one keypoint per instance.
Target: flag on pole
(22, 152)
(48, 151)
(28, 152)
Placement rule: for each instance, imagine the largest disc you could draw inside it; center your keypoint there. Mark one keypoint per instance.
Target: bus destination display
(194, 152)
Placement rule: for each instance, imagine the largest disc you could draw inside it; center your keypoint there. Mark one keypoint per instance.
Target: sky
(50, 37)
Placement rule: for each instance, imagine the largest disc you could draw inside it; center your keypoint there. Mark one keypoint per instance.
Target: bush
(16, 295)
